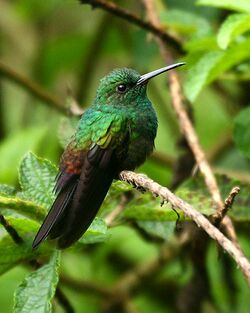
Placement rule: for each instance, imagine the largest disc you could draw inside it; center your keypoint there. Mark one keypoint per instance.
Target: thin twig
(219, 215)
(109, 219)
(189, 211)
(11, 230)
(230, 199)
(86, 286)
(63, 300)
(34, 88)
(141, 272)
(162, 158)
(113, 8)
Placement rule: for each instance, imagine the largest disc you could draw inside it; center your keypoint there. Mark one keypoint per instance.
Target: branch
(141, 272)
(189, 211)
(162, 158)
(11, 230)
(113, 8)
(86, 286)
(35, 89)
(109, 219)
(187, 128)
(63, 300)
(218, 216)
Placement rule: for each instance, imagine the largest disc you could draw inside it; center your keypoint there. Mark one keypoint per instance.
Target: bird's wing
(84, 179)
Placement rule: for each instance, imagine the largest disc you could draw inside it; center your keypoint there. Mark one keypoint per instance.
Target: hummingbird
(116, 133)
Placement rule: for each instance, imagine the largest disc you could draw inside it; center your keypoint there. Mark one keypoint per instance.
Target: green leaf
(148, 208)
(36, 292)
(196, 186)
(198, 75)
(213, 64)
(163, 230)
(37, 179)
(22, 206)
(11, 253)
(203, 43)
(121, 186)
(14, 147)
(234, 25)
(184, 22)
(201, 202)
(241, 133)
(7, 190)
(97, 232)
(239, 5)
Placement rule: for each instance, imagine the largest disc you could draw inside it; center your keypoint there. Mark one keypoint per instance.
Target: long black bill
(144, 78)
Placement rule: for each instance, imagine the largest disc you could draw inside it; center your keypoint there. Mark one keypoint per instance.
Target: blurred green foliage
(66, 48)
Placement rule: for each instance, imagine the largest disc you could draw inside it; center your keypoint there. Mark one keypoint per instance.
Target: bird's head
(126, 86)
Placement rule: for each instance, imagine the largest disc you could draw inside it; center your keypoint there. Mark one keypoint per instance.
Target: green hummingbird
(116, 133)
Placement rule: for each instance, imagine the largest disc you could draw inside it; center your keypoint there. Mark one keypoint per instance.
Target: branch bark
(187, 128)
(37, 90)
(189, 211)
(114, 9)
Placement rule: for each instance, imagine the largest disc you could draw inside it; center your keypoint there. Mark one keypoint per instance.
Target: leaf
(121, 186)
(22, 206)
(241, 132)
(36, 292)
(14, 147)
(7, 190)
(203, 43)
(184, 22)
(240, 210)
(163, 230)
(213, 64)
(201, 202)
(11, 253)
(147, 208)
(97, 232)
(239, 5)
(233, 26)
(37, 179)
(198, 75)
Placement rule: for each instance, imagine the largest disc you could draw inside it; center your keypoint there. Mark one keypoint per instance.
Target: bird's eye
(121, 88)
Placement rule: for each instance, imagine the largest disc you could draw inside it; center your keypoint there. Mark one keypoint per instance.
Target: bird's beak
(144, 78)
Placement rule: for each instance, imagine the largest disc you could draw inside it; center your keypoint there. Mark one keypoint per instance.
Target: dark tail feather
(79, 198)
(57, 209)
(91, 190)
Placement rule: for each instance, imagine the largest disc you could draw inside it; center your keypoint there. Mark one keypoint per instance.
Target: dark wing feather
(96, 158)
(99, 169)
(81, 188)
(65, 186)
